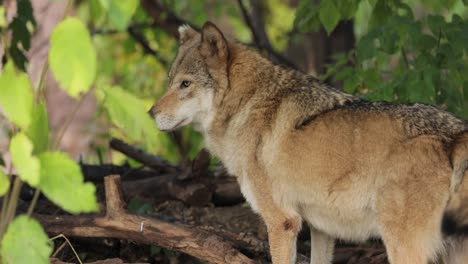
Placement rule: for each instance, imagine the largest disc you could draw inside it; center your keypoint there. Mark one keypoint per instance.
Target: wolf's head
(198, 72)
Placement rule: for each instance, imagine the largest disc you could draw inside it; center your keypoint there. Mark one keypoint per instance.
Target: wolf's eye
(185, 84)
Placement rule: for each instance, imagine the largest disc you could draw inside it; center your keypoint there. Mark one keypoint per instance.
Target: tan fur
(302, 150)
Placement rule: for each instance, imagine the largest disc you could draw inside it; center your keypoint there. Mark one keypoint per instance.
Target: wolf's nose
(153, 111)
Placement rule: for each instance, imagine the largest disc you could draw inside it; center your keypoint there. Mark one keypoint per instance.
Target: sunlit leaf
(3, 21)
(62, 182)
(16, 97)
(27, 165)
(25, 242)
(38, 131)
(132, 119)
(4, 183)
(72, 57)
(132, 116)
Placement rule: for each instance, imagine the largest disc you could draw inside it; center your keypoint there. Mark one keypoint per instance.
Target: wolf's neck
(258, 90)
(254, 77)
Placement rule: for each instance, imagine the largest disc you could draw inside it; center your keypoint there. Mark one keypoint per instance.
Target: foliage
(16, 86)
(21, 28)
(70, 42)
(27, 165)
(4, 183)
(119, 12)
(38, 130)
(130, 118)
(68, 192)
(400, 58)
(24, 241)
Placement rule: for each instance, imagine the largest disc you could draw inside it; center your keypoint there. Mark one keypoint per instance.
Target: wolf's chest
(358, 225)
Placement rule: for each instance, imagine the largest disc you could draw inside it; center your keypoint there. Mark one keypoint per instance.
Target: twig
(3, 213)
(12, 203)
(164, 18)
(259, 34)
(139, 38)
(405, 58)
(37, 192)
(71, 246)
(69, 119)
(249, 22)
(115, 31)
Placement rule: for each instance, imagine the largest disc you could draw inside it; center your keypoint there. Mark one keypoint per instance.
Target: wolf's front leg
(321, 248)
(282, 237)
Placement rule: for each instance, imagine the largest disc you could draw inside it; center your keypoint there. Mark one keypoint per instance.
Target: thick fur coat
(301, 150)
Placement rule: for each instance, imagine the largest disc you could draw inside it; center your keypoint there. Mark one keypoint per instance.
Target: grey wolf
(301, 150)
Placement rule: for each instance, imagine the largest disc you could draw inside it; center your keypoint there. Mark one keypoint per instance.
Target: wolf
(301, 150)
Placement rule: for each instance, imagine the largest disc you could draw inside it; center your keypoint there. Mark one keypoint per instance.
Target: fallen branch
(96, 173)
(139, 155)
(117, 223)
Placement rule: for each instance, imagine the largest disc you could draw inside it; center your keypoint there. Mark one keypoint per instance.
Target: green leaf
(436, 23)
(16, 98)
(3, 21)
(72, 57)
(307, 18)
(132, 116)
(25, 242)
(133, 121)
(38, 131)
(62, 182)
(4, 183)
(365, 48)
(21, 35)
(120, 12)
(21, 155)
(382, 11)
(348, 8)
(329, 15)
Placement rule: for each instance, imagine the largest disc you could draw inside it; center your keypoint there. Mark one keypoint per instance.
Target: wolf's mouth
(177, 126)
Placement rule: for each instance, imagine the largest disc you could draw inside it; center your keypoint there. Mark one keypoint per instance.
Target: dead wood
(221, 191)
(117, 223)
(139, 155)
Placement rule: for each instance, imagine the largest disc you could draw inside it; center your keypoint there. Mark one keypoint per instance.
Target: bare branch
(139, 38)
(257, 27)
(147, 159)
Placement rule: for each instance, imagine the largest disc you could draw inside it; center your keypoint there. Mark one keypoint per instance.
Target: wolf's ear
(186, 33)
(213, 45)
